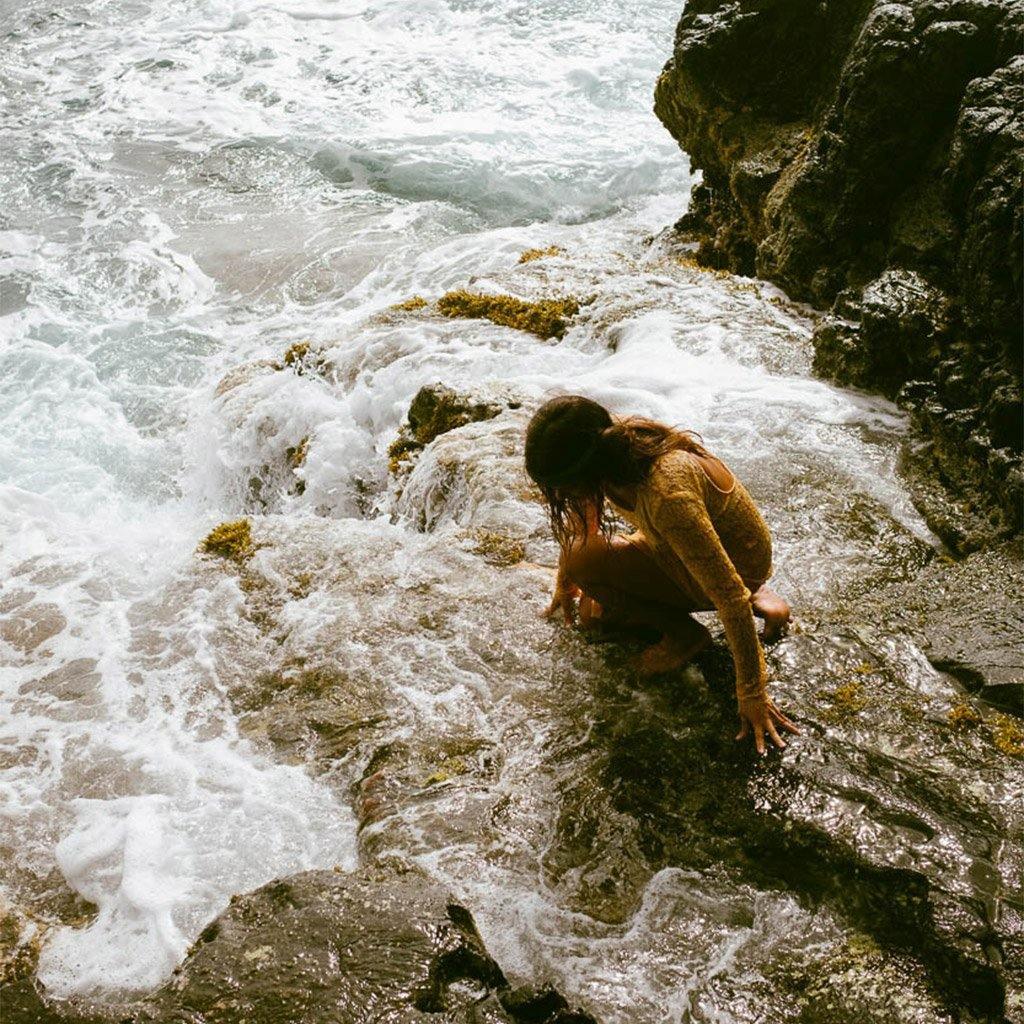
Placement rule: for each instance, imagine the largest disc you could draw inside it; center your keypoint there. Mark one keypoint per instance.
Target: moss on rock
(435, 410)
(450, 768)
(529, 255)
(963, 716)
(497, 548)
(296, 454)
(848, 699)
(409, 305)
(232, 541)
(301, 357)
(20, 942)
(547, 318)
(1008, 735)
(296, 353)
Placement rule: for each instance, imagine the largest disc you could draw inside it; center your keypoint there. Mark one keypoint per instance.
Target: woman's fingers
(788, 725)
(763, 723)
(759, 738)
(776, 738)
(785, 722)
(562, 600)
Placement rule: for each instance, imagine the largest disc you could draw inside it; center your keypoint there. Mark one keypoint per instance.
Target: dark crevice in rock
(1007, 696)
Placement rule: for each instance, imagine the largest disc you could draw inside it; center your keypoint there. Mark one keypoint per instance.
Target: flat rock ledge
(326, 947)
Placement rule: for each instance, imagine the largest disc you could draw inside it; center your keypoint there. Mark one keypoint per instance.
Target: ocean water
(189, 187)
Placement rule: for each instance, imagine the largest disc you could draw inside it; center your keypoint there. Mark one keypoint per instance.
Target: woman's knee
(587, 559)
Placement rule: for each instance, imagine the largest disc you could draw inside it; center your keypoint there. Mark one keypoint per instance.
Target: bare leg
(773, 609)
(630, 589)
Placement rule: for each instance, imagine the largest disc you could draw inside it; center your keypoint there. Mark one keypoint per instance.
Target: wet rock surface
(349, 948)
(609, 838)
(866, 157)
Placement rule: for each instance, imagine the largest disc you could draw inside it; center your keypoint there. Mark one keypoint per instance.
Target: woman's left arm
(683, 521)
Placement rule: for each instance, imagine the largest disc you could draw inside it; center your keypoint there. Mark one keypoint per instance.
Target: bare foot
(774, 610)
(673, 652)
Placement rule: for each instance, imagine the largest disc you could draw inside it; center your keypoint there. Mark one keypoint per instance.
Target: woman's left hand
(760, 717)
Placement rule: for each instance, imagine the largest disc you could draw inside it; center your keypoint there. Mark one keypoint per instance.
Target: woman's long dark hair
(575, 449)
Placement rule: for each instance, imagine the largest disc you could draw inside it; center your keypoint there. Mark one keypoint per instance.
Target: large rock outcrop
(866, 156)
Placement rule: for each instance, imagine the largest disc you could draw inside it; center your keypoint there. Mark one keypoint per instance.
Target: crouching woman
(698, 543)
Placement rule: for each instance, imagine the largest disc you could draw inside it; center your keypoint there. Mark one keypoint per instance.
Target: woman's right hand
(564, 597)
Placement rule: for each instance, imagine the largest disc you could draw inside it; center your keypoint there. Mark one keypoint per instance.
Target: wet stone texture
(543, 836)
(341, 947)
(349, 947)
(866, 157)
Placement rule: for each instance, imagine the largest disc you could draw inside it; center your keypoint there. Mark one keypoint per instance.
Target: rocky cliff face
(866, 156)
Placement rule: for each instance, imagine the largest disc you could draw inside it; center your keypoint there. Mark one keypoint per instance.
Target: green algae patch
(547, 318)
(1008, 736)
(962, 717)
(232, 541)
(497, 548)
(409, 305)
(530, 255)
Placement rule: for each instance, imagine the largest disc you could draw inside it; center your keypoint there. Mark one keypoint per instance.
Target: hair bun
(614, 439)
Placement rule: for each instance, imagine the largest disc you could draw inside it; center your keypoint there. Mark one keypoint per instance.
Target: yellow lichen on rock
(409, 305)
(232, 541)
(847, 700)
(962, 716)
(497, 548)
(529, 255)
(1008, 735)
(547, 318)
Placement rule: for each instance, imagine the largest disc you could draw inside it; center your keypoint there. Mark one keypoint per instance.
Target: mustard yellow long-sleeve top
(715, 545)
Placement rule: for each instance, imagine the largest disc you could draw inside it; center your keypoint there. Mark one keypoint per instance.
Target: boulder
(866, 158)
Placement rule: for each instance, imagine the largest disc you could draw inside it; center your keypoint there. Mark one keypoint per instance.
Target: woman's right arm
(566, 591)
